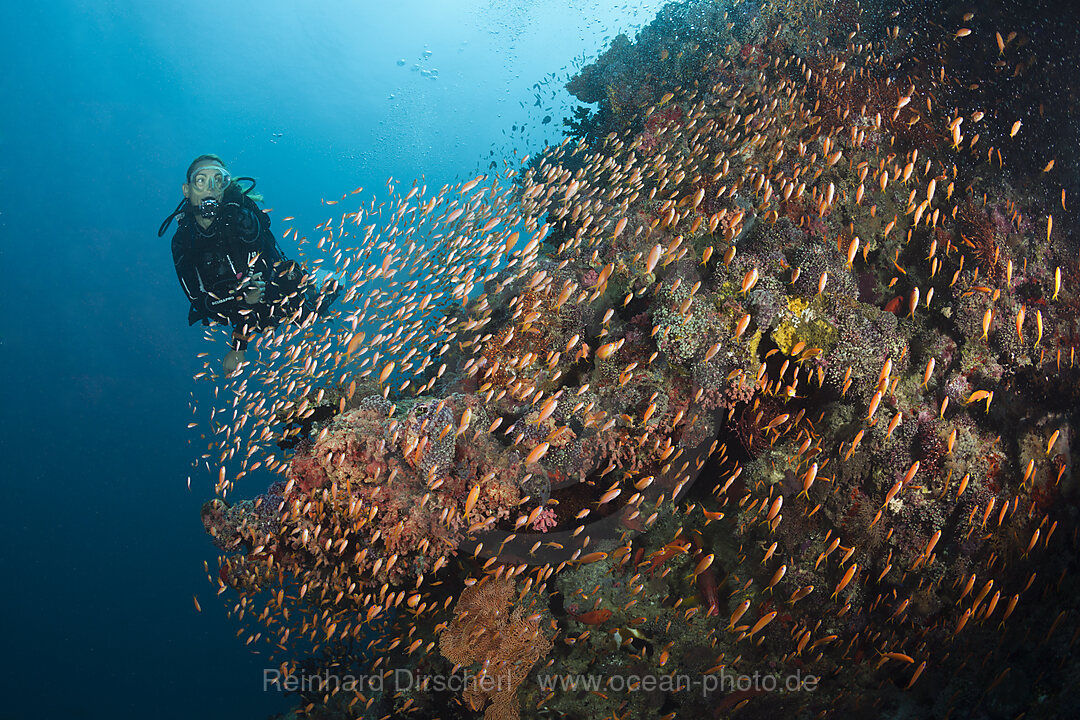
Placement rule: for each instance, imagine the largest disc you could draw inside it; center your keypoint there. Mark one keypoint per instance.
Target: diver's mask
(210, 177)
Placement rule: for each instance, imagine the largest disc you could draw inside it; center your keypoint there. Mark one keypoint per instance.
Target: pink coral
(545, 520)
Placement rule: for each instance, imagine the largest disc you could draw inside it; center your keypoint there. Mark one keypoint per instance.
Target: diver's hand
(253, 289)
(233, 360)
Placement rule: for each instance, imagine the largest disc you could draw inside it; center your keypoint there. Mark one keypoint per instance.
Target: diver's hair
(234, 185)
(199, 161)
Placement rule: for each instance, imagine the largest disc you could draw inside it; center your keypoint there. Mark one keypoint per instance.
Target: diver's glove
(329, 289)
(328, 296)
(233, 360)
(253, 289)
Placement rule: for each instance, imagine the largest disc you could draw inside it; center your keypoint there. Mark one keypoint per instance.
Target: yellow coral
(612, 102)
(804, 324)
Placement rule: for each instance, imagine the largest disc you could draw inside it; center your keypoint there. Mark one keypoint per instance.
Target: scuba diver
(229, 263)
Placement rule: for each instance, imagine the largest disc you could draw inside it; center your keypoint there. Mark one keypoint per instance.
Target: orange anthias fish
(593, 617)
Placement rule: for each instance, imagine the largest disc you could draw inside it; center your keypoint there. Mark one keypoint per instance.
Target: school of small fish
(741, 352)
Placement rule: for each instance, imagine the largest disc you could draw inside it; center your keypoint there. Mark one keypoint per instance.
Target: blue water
(105, 104)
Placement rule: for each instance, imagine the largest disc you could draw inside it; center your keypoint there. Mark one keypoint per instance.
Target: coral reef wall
(756, 395)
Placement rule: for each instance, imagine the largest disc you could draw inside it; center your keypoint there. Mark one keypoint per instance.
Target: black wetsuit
(212, 264)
